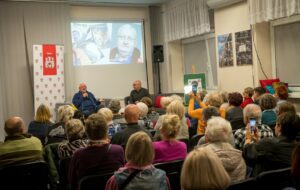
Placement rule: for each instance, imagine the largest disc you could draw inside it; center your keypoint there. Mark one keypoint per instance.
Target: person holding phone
(251, 112)
(272, 153)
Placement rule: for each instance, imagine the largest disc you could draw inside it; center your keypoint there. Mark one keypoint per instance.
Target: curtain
(23, 24)
(185, 18)
(267, 10)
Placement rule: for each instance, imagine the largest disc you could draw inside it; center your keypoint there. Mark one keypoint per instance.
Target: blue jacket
(85, 104)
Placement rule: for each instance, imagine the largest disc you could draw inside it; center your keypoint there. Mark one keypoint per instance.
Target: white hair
(143, 109)
(218, 130)
(252, 111)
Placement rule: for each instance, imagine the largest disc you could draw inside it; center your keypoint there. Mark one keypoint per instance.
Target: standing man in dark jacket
(138, 92)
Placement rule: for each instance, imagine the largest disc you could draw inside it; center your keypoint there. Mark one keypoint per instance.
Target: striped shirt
(66, 149)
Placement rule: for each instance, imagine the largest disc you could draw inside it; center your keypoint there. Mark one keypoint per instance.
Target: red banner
(49, 60)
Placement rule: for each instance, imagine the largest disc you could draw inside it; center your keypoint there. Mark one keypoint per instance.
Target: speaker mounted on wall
(158, 53)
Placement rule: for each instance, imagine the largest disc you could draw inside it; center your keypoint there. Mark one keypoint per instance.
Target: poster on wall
(243, 47)
(225, 50)
(48, 76)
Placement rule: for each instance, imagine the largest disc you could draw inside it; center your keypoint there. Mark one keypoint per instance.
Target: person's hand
(251, 136)
(192, 95)
(85, 94)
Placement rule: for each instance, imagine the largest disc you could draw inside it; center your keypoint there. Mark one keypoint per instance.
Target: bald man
(131, 114)
(19, 147)
(85, 101)
(138, 92)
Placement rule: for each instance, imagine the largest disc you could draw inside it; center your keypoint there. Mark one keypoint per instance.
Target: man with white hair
(85, 101)
(126, 51)
(251, 111)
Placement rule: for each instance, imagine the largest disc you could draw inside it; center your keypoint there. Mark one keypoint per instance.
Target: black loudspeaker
(158, 53)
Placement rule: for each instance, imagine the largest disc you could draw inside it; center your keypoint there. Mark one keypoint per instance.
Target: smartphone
(252, 124)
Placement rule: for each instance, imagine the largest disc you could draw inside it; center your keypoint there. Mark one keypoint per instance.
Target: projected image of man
(126, 51)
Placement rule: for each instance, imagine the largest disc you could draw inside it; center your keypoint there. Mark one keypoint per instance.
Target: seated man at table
(85, 101)
(138, 92)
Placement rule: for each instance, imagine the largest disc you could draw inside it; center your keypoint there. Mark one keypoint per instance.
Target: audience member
(169, 149)
(296, 166)
(272, 153)
(267, 104)
(152, 115)
(235, 113)
(85, 101)
(225, 104)
(115, 107)
(41, 123)
(212, 99)
(56, 132)
(143, 114)
(74, 130)
(247, 94)
(175, 108)
(202, 169)
(282, 94)
(19, 147)
(139, 173)
(286, 107)
(108, 116)
(132, 114)
(257, 93)
(251, 111)
(138, 92)
(99, 156)
(218, 134)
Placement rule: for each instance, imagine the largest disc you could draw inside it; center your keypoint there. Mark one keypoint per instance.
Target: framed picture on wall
(225, 50)
(243, 48)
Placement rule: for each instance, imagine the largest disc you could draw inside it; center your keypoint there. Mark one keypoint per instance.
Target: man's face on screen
(126, 40)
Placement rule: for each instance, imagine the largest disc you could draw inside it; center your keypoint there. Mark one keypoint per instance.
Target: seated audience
(267, 104)
(272, 153)
(286, 107)
(282, 94)
(139, 156)
(247, 94)
(115, 107)
(257, 93)
(74, 130)
(56, 132)
(225, 104)
(251, 111)
(108, 116)
(152, 115)
(235, 113)
(218, 133)
(212, 99)
(19, 147)
(132, 114)
(202, 169)
(85, 101)
(143, 113)
(138, 92)
(99, 156)
(41, 123)
(169, 149)
(175, 108)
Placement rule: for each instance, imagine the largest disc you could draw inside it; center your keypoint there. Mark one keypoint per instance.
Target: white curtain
(23, 24)
(185, 18)
(267, 10)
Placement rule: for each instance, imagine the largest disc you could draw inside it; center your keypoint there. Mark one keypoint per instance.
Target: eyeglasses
(127, 38)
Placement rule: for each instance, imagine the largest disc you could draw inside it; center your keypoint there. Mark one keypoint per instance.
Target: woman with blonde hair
(108, 116)
(169, 149)
(41, 123)
(139, 173)
(202, 169)
(175, 108)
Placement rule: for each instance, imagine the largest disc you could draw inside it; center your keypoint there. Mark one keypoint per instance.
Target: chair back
(173, 171)
(275, 179)
(194, 140)
(94, 182)
(247, 184)
(32, 175)
(63, 171)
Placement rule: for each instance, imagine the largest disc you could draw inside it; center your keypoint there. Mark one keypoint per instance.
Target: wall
(111, 13)
(230, 20)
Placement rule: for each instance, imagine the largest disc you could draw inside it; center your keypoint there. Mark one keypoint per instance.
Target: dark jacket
(235, 117)
(269, 154)
(138, 95)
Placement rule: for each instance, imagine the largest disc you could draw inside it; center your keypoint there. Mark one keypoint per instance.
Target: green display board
(188, 79)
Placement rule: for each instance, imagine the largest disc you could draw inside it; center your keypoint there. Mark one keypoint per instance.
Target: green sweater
(20, 149)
